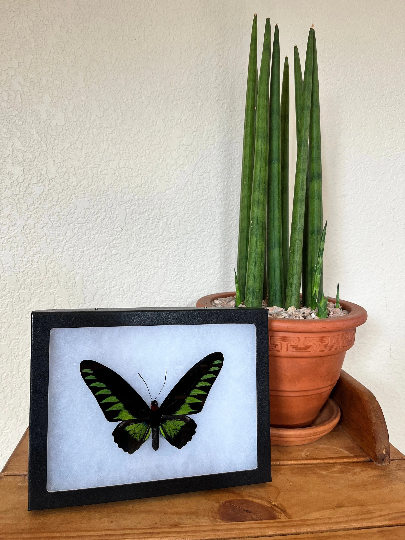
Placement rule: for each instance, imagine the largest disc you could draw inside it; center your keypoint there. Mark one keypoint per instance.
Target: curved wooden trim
(362, 418)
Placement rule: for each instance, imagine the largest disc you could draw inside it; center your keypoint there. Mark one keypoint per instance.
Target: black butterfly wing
(177, 430)
(130, 435)
(118, 401)
(116, 398)
(190, 393)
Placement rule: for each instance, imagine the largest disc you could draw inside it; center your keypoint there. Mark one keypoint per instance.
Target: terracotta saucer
(324, 423)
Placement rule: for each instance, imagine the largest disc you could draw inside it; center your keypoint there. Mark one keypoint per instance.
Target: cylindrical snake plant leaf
(247, 163)
(298, 90)
(257, 229)
(297, 225)
(317, 273)
(275, 286)
(314, 186)
(319, 300)
(298, 106)
(306, 282)
(285, 212)
(237, 297)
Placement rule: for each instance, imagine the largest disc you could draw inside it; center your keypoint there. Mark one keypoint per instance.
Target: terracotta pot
(305, 359)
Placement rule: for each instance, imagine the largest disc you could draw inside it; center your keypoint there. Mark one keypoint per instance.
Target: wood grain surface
(335, 447)
(387, 533)
(301, 499)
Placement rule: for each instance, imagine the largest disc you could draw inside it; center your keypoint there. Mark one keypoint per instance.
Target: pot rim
(356, 316)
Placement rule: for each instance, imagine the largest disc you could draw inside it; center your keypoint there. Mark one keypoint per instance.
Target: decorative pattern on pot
(306, 345)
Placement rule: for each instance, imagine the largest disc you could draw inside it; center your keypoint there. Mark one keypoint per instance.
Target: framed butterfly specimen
(136, 403)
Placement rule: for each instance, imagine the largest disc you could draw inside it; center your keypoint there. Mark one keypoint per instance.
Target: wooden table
(331, 489)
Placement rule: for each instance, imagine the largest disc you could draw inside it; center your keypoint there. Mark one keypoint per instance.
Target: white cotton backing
(81, 450)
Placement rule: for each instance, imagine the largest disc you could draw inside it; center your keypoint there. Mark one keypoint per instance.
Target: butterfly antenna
(163, 384)
(145, 385)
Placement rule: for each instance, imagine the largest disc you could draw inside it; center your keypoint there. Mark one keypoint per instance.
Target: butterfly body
(120, 402)
(154, 421)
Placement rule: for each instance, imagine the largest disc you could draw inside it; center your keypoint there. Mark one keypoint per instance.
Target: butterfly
(120, 402)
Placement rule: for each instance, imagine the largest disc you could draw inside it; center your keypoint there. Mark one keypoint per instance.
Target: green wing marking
(139, 432)
(130, 435)
(190, 393)
(115, 397)
(178, 431)
(184, 409)
(171, 427)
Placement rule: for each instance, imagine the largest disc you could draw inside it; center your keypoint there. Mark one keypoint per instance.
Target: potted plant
(305, 356)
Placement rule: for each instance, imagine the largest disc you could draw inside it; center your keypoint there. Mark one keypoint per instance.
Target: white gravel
(276, 312)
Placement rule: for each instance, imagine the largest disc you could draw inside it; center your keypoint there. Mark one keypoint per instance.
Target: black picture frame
(42, 324)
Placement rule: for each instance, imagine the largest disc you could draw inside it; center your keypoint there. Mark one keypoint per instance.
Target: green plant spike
(264, 294)
(275, 284)
(306, 283)
(322, 308)
(318, 271)
(337, 304)
(298, 90)
(306, 290)
(247, 161)
(285, 211)
(237, 298)
(257, 230)
(297, 225)
(314, 184)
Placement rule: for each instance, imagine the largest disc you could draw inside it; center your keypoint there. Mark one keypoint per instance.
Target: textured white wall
(121, 133)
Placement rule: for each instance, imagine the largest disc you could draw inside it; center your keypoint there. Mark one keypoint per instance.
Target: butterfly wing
(130, 435)
(190, 393)
(177, 430)
(116, 398)
(118, 401)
